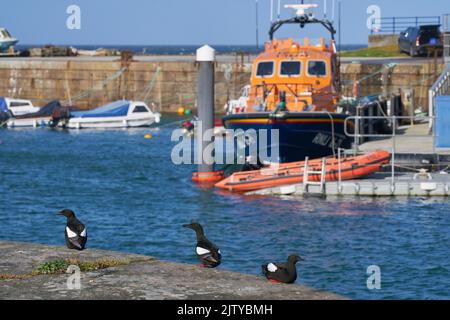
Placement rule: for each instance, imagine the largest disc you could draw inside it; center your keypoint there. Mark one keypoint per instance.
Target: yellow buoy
(181, 111)
(148, 136)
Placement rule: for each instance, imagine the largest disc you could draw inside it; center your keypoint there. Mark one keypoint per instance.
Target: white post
(394, 128)
(431, 107)
(306, 175)
(205, 97)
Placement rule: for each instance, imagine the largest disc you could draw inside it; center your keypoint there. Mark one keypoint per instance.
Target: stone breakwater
(113, 275)
(173, 79)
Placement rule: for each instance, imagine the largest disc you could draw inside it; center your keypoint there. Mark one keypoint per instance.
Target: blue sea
(133, 199)
(177, 49)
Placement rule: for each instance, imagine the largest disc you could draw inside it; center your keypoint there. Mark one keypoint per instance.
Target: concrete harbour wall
(383, 40)
(173, 85)
(174, 82)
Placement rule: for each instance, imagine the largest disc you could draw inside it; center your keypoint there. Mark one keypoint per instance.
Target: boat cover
(3, 105)
(4, 114)
(115, 109)
(46, 111)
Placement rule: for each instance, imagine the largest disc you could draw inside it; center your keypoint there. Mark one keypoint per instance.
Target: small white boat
(18, 107)
(47, 116)
(119, 114)
(6, 40)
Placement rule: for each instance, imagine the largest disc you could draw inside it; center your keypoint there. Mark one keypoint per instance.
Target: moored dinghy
(49, 115)
(348, 168)
(119, 114)
(18, 107)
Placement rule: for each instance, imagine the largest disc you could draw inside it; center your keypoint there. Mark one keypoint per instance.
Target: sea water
(133, 199)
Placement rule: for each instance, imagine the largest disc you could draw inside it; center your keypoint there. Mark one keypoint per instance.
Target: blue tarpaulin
(3, 105)
(115, 109)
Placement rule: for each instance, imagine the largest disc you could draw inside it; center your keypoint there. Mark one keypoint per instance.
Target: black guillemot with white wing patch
(75, 233)
(207, 252)
(282, 272)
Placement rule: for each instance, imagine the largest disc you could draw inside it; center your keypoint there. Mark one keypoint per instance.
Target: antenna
(339, 13)
(271, 10)
(325, 9)
(333, 9)
(279, 9)
(257, 25)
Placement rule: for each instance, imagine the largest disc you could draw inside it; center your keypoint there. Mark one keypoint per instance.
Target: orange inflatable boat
(292, 173)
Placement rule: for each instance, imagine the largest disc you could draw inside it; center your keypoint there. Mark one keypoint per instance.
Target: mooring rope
(87, 93)
(151, 84)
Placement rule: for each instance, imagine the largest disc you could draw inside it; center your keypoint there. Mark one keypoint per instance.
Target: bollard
(205, 101)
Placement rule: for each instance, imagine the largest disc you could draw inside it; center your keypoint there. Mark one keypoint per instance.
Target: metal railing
(447, 46)
(446, 23)
(393, 135)
(395, 25)
(440, 87)
(446, 31)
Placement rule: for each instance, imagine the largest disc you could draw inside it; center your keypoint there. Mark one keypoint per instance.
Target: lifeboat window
(317, 68)
(290, 68)
(265, 69)
(140, 109)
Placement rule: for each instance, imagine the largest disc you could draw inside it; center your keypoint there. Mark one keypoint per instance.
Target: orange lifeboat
(292, 173)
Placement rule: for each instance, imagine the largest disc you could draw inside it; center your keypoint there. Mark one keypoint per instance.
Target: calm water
(133, 199)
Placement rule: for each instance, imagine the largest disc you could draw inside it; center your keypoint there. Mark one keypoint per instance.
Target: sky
(185, 22)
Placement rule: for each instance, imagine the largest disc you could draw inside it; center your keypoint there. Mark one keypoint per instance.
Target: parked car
(417, 40)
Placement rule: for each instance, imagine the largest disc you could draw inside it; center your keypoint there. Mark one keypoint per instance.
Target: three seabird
(76, 234)
(282, 272)
(207, 252)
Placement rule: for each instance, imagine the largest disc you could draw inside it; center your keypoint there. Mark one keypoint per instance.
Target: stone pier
(113, 275)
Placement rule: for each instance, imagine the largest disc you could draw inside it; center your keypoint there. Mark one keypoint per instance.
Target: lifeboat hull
(293, 173)
(301, 134)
